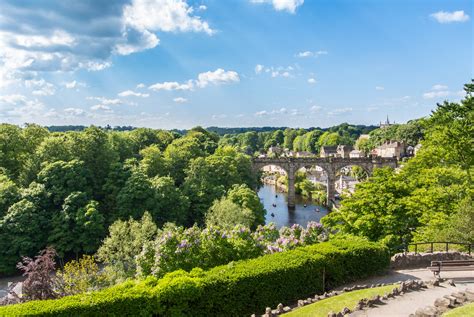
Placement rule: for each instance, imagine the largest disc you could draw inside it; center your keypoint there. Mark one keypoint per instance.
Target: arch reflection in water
(284, 216)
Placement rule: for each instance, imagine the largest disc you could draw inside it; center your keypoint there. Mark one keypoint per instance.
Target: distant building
(303, 154)
(275, 150)
(344, 150)
(386, 123)
(390, 149)
(356, 154)
(328, 151)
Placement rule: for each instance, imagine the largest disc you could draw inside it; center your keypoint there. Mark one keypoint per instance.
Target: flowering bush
(180, 248)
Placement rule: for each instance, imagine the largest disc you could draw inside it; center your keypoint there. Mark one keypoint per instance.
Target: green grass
(463, 311)
(337, 303)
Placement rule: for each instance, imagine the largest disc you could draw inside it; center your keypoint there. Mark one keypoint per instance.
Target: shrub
(236, 289)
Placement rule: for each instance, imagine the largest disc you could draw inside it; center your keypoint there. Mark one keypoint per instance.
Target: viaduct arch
(329, 164)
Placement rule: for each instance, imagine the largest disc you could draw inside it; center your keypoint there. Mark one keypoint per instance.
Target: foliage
(428, 197)
(39, 282)
(181, 248)
(126, 240)
(227, 214)
(235, 289)
(80, 276)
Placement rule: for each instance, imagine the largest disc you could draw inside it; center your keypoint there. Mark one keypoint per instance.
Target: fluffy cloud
(180, 100)
(164, 15)
(441, 91)
(311, 54)
(172, 85)
(106, 101)
(128, 93)
(282, 5)
(74, 84)
(20, 107)
(64, 36)
(379, 88)
(315, 108)
(258, 68)
(311, 81)
(450, 17)
(40, 87)
(217, 77)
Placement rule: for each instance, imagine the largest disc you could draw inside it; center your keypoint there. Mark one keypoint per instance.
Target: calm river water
(282, 215)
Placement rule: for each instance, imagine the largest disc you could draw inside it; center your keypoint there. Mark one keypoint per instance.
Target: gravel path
(411, 301)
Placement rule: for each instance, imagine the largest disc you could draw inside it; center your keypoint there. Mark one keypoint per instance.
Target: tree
(12, 149)
(290, 135)
(23, 232)
(39, 272)
(125, 241)
(62, 178)
(9, 194)
(152, 163)
(311, 141)
(226, 214)
(172, 206)
(179, 154)
(247, 198)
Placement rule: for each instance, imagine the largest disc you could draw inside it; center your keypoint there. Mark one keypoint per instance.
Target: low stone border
(423, 259)
(362, 304)
(445, 303)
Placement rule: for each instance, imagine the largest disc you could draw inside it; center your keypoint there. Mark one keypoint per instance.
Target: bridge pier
(291, 187)
(331, 189)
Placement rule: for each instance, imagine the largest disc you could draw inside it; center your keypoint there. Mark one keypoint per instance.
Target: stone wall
(420, 260)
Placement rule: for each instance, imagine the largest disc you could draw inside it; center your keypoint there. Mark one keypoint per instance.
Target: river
(282, 215)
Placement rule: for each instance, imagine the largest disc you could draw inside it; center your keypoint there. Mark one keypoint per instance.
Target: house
(303, 154)
(275, 150)
(356, 154)
(328, 151)
(344, 150)
(391, 149)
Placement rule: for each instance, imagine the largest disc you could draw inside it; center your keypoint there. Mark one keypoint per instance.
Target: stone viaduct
(330, 165)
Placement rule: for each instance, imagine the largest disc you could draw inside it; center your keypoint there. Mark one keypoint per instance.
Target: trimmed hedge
(237, 289)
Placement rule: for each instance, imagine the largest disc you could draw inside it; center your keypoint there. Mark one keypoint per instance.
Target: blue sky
(178, 64)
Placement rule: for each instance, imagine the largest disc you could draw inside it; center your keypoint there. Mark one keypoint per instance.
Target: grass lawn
(463, 311)
(337, 303)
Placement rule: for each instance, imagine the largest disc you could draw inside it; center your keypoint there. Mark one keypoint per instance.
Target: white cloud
(219, 116)
(40, 87)
(315, 108)
(74, 84)
(436, 94)
(450, 17)
(439, 87)
(217, 77)
(21, 107)
(128, 93)
(258, 68)
(180, 100)
(101, 107)
(164, 15)
(141, 85)
(379, 88)
(76, 112)
(282, 5)
(311, 54)
(202, 7)
(261, 113)
(106, 101)
(441, 91)
(172, 85)
(339, 111)
(282, 110)
(311, 81)
(51, 36)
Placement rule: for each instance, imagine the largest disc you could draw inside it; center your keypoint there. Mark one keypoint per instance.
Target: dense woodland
(66, 189)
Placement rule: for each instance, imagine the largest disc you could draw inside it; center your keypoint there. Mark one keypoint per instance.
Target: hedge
(236, 289)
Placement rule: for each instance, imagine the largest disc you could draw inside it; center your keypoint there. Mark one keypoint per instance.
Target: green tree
(125, 241)
(152, 163)
(247, 198)
(9, 194)
(227, 214)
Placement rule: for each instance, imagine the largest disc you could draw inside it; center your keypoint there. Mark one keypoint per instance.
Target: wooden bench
(454, 265)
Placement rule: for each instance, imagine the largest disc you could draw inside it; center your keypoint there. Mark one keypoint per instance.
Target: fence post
(470, 249)
(416, 248)
(431, 247)
(447, 246)
(324, 279)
